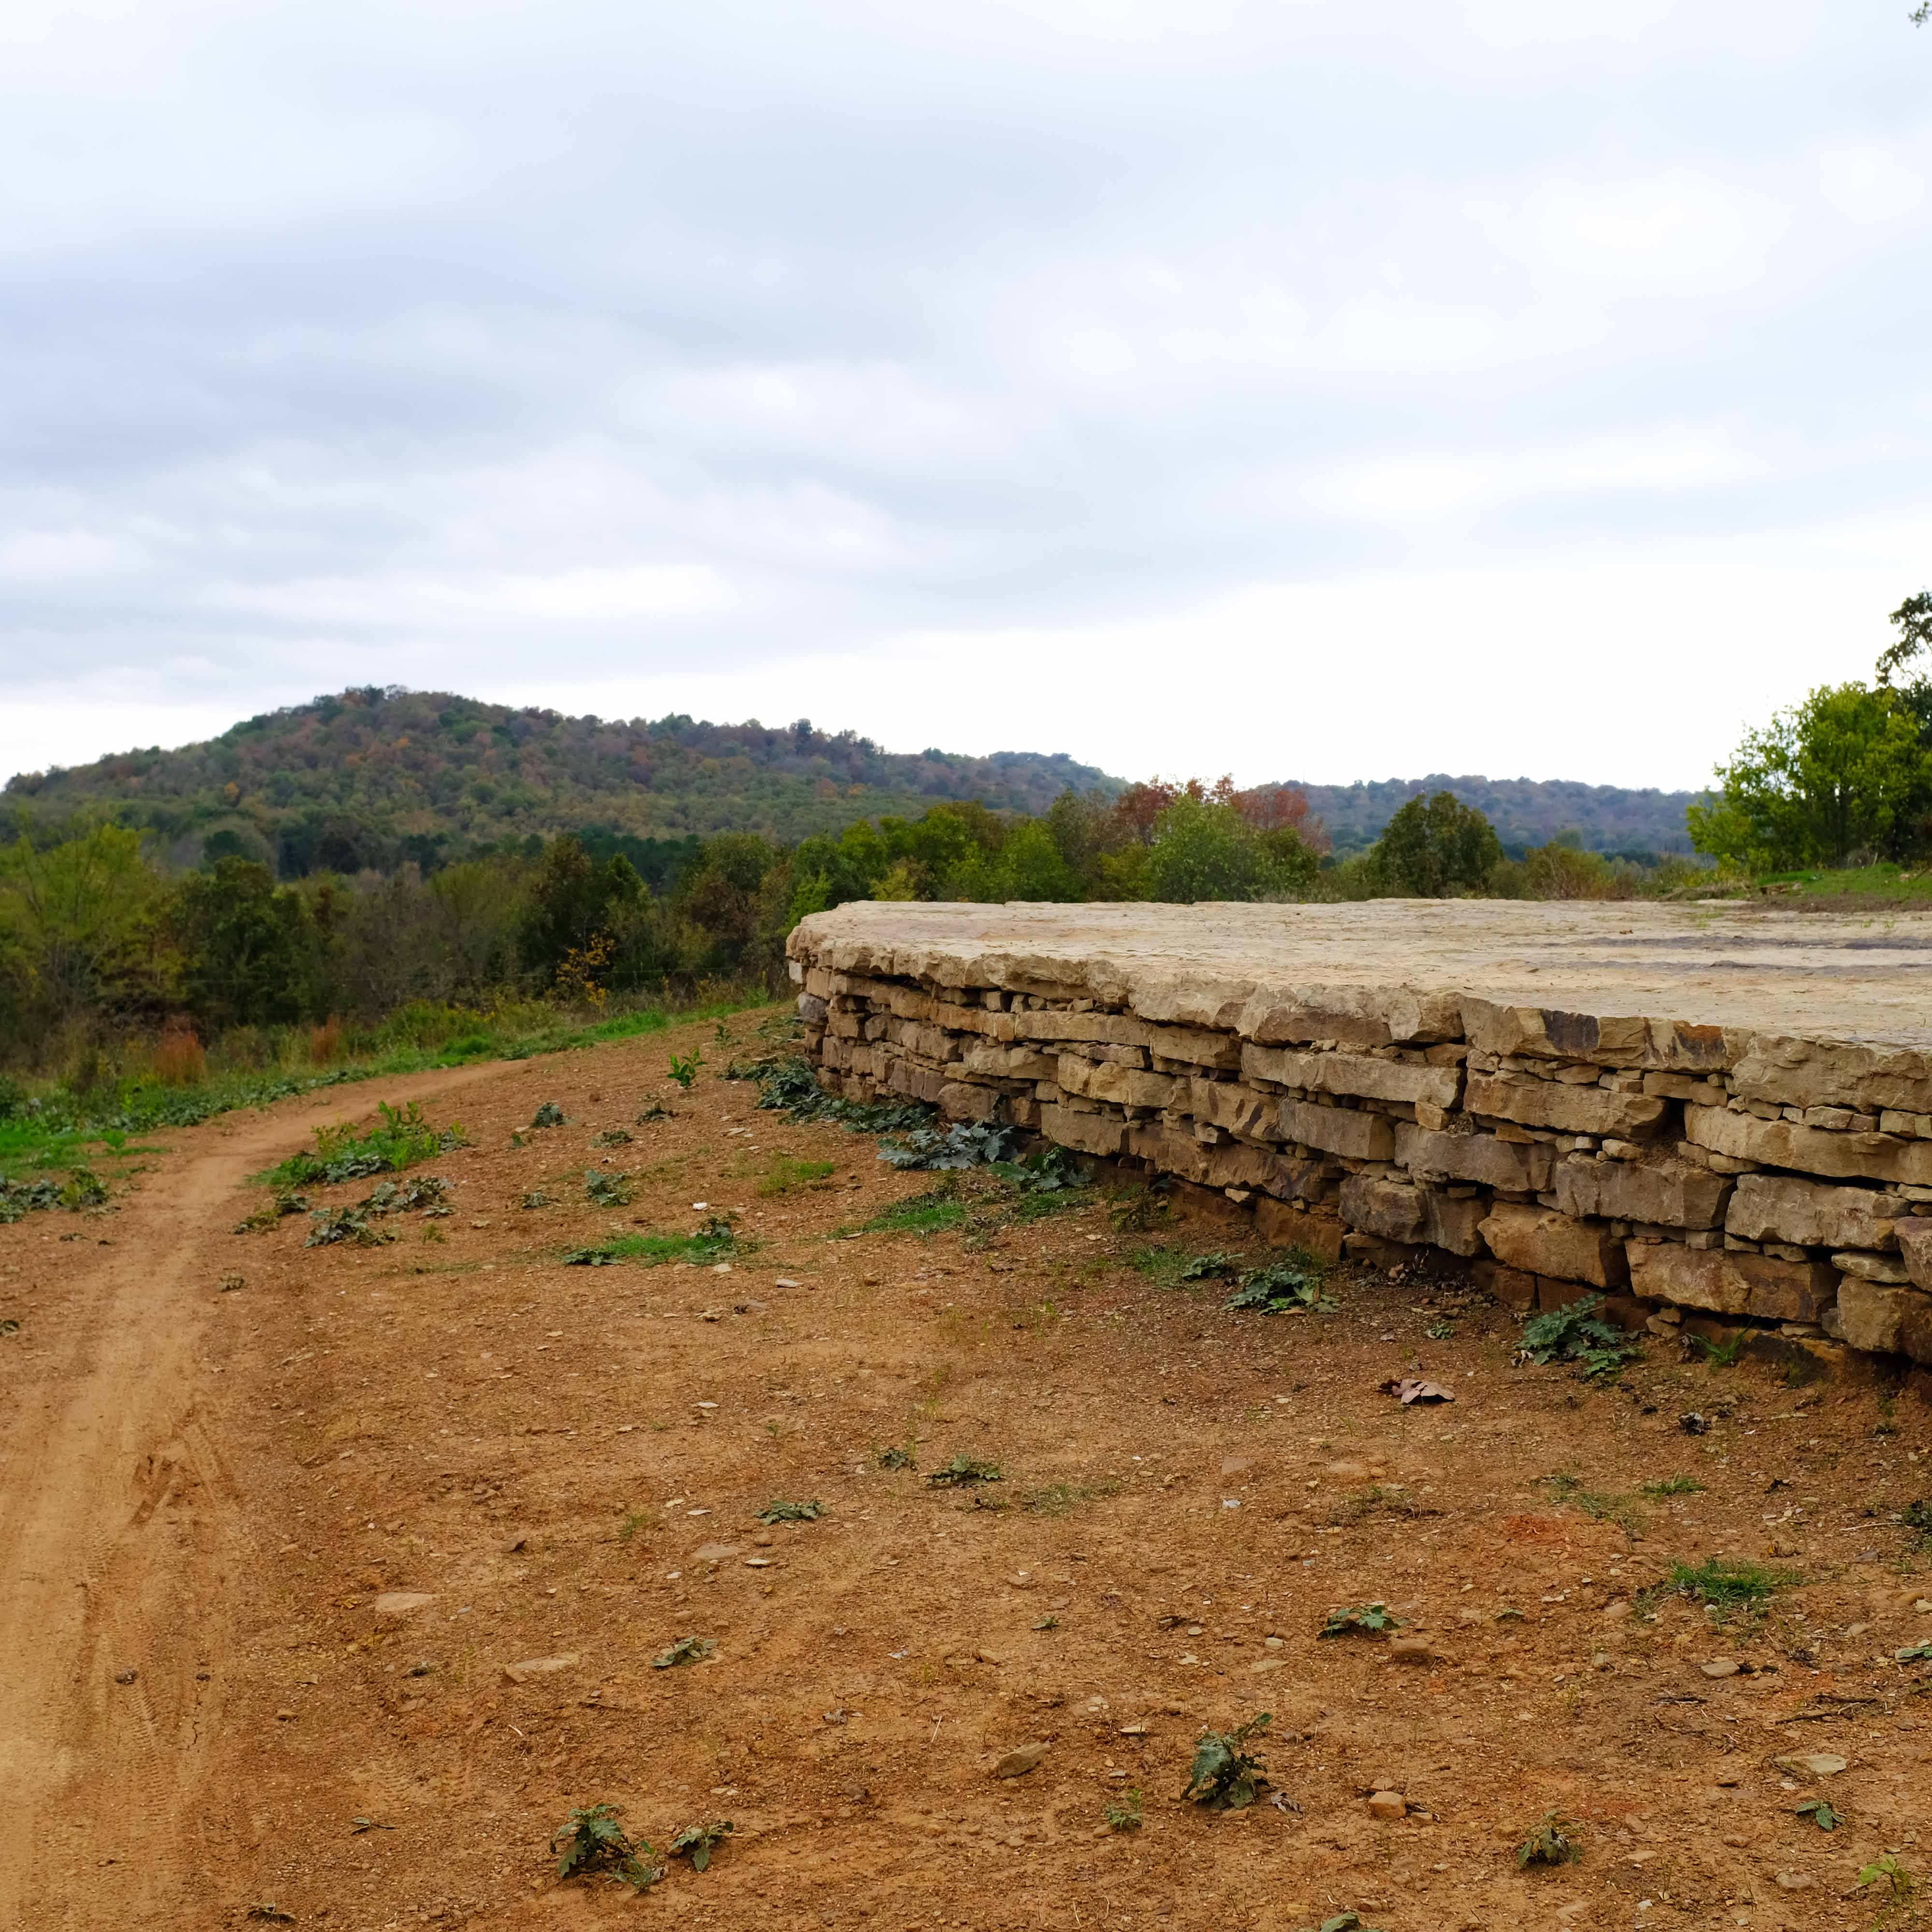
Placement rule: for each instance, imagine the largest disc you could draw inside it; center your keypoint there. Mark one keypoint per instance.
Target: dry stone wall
(1685, 1168)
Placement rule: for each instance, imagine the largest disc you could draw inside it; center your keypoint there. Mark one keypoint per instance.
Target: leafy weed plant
(1225, 1773)
(1671, 1486)
(684, 1069)
(606, 1190)
(965, 1472)
(698, 1842)
(1578, 1333)
(716, 1239)
(1363, 1620)
(685, 1650)
(1551, 1842)
(404, 1139)
(778, 1511)
(591, 1839)
(1123, 1814)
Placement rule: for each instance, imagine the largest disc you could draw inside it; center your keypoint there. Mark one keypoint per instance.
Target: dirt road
(126, 1537)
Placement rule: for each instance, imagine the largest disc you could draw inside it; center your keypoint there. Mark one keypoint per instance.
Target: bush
(1435, 848)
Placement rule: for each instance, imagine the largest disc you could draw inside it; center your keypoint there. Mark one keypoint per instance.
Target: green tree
(1201, 849)
(248, 949)
(80, 921)
(1435, 848)
(1846, 770)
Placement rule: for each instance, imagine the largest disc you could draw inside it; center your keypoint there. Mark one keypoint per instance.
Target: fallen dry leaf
(1407, 1389)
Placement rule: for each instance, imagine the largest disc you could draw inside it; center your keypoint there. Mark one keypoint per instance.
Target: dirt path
(124, 1535)
(396, 1537)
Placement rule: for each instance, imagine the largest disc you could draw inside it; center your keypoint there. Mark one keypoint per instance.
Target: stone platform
(1701, 1112)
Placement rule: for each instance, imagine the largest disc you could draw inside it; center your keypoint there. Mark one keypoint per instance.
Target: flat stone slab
(1856, 977)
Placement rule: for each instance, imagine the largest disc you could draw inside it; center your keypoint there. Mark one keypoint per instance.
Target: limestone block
(1233, 1164)
(988, 1025)
(1886, 1268)
(1085, 1133)
(1516, 1167)
(812, 1012)
(1728, 1282)
(1871, 1315)
(1567, 1110)
(962, 1100)
(1808, 1149)
(1227, 1103)
(1915, 1327)
(1834, 1072)
(1547, 1032)
(1349, 1016)
(1283, 1226)
(989, 1060)
(921, 1083)
(1540, 1241)
(1812, 1214)
(1658, 1190)
(1399, 1210)
(1118, 1086)
(1340, 1130)
(1915, 1245)
(1355, 1074)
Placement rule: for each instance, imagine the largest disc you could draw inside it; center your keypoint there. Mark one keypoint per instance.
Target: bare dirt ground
(213, 1490)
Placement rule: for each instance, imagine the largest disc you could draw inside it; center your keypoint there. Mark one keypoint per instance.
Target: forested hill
(370, 776)
(1524, 812)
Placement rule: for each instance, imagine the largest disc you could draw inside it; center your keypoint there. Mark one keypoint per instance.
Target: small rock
(1388, 1805)
(1018, 1763)
(125, 1676)
(229, 1283)
(539, 1666)
(285, 1717)
(1234, 1466)
(1720, 1666)
(1790, 1881)
(784, 1281)
(1269, 1663)
(1411, 1650)
(1023, 1579)
(401, 1603)
(994, 1658)
(1603, 1660)
(713, 1552)
(1814, 1764)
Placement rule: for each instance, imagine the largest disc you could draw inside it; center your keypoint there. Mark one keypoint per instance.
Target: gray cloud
(1289, 388)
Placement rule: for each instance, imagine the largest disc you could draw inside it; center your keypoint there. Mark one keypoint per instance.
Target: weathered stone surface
(1227, 1103)
(962, 1100)
(1085, 1133)
(1118, 1086)
(1548, 1032)
(1354, 1074)
(1540, 1241)
(1658, 1190)
(1914, 1328)
(1809, 1150)
(1729, 1283)
(1870, 1315)
(1399, 1210)
(1516, 1167)
(1812, 1214)
(1283, 1225)
(1870, 1267)
(1914, 1236)
(1350, 1016)
(1232, 1164)
(1565, 1109)
(1190, 1044)
(987, 1059)
(1341, 1130)
(1792, 1071)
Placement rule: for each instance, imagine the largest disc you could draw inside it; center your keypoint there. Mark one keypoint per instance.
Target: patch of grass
(1578, 1333)
(1671, 1486)
(1123, 1814)
(1598, 1504)
(715, 1241)
(635, 1520)
(1720, 1354)
(1225, 1773)
(787, 1173)
(404, 1138)
(964, 1472)
(1168, 1267)
(685, 1650)
(1724, 1584)
(1135, 1210)
(1373, 1619)
(1551, 1841)
(928, 1213)
(592, 1840)
(283, 1202)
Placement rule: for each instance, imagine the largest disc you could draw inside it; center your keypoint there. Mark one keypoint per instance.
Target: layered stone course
(1696, 1113)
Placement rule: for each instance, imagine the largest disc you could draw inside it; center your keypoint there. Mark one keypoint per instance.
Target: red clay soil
(206, 1493)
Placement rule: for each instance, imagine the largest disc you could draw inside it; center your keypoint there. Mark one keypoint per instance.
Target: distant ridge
(1524, 812)
(370, 776)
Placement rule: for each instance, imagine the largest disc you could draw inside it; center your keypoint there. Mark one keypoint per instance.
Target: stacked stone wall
(1686, 1172)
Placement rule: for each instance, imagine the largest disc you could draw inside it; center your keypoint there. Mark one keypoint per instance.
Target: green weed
(1724, 1584)
(684, 1069)
(1225, 1773)
(787, 1173)
(606, 1190)
(1363, 1620)
(1671, 1486)
(778, 1511)
(1577, 1333)
(685, 1650)
(940, 1208)
(404, 1139)
(964, 1472)
(1551, 1842)
(715, 1241)
(697, 1842)
(592, 1841)
(1123, 1814)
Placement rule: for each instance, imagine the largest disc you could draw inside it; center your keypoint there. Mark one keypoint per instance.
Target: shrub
(179, 1059)
(1225, 1773)
(592, 1840)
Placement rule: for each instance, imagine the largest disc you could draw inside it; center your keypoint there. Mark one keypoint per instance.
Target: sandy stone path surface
(391, 1536)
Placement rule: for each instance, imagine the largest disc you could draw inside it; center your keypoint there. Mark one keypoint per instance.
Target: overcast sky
(1302, 387)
